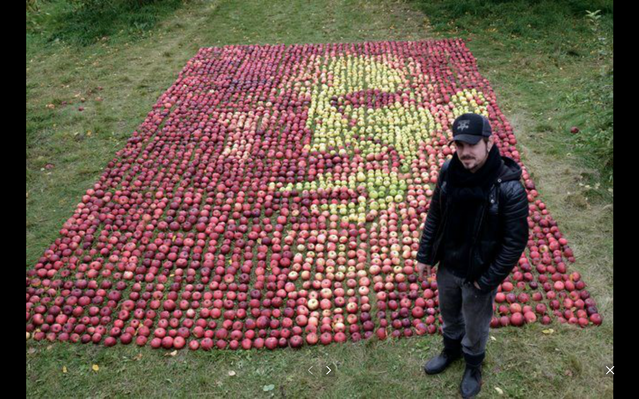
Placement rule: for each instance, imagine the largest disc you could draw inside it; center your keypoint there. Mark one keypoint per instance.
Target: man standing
(476, 229)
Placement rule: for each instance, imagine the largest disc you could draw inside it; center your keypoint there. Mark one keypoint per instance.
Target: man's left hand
(477, 285)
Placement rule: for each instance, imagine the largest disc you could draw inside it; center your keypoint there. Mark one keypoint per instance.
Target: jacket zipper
(481, 219)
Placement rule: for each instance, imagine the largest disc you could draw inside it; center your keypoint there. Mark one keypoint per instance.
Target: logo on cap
(463, 125)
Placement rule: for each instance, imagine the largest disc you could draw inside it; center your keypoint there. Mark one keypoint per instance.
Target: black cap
(470, 128)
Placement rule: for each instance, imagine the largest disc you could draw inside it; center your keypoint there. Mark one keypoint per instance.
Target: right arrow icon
(329, 370)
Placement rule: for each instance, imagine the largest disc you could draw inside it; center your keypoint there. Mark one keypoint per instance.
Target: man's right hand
(421, 267)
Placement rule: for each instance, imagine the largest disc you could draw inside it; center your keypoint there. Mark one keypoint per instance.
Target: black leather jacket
(501, 233)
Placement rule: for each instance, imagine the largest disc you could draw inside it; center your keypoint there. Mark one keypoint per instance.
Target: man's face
(473, 156)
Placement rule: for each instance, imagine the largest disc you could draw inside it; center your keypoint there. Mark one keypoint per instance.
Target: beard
(472, 163)
(469, 163)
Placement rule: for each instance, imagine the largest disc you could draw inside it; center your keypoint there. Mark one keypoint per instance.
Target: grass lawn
(546, 80)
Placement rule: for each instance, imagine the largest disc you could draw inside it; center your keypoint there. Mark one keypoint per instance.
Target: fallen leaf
(64, 369)
(549, 331)
(499, 391)
(32, 351)
(95, 367)
(493, 338)
(232, 373)
(138, 357)
(172, 353)
(267, 388)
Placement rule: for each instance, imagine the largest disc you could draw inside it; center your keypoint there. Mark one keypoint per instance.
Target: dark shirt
(456, 240)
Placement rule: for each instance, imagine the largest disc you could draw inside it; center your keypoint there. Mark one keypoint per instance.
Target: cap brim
(466, 138)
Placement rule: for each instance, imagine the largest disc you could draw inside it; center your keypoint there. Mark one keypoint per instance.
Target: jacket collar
(509, 170)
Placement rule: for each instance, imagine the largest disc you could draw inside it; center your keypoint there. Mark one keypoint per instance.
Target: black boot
(452, 351)
(471, 382)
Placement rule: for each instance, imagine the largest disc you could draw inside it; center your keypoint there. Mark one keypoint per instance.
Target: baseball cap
(470, 128)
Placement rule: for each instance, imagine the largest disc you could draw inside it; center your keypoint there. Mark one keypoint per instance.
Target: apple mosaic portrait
(272, 194)
(370, 109)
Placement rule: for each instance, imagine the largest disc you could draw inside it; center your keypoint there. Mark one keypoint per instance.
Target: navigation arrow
(329, 370)
(309, 370)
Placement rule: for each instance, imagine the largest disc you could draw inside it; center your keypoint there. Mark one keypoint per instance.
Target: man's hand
(477, 285)
(421, 267)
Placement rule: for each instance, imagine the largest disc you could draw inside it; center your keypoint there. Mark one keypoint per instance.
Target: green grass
(552, 59)
(523, 363)
(533, 80)
(84, 22)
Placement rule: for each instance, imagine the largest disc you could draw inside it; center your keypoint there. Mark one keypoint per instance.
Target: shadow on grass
(87, 21)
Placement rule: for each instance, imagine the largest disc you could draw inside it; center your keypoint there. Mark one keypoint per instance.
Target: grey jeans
(465, 310)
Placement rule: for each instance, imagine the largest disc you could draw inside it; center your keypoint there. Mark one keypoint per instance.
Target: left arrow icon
(309, 370)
